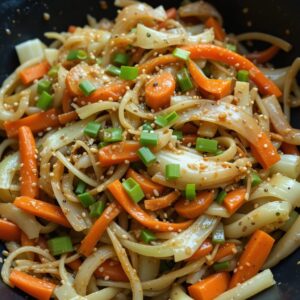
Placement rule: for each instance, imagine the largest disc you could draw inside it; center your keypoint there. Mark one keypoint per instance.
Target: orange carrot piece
(112, 270)
(26, 241)
(254, 256)
(161, 202)
(263, 56)
(218, 88)
(189, 139)
(206, 51)
(290, 149)
(140, 215)
(147, 185)
(66, 102)
(67, 117)
(210, 287)
(72, 28)
(38, 288)
(205, 248)
(159, 89)
(9, 231)
(171, 13)
(117, 153)
(28, 75)
(189, 128)
(234, 200)
(75, 264)
(225, 250)
(98, 228)
(37, 122)
(211, 22)
(44, 210)
(28, 169)
(193, 209)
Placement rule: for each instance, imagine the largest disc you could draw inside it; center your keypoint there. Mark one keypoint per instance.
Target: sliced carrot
(171, 13)
(159, 89)
(205, 248)
(140, 215)
(38, 288)
(9, 231)
(72, 28)
(37, 122)
(254, 256)
(211, 22)
(161, 202)
(263, 56)
(68, 117)
(111, 270)
(264, 151)
(225, 250)
(75, 264)
(44, 210)
(234, 200)
(210, 287)
(189, 139)
(207, 51)
(98, 228)
(290, 149)
(28, 75)
(117, 153)
(189, 128)
(193, 209)
(218, 88)
(147, 185)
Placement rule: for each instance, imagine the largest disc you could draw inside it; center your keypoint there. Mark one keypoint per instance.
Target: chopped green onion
(146, 156)
(147, 127)
(242, 75)
(255, 179)
(102, 144)
(97, 209)
(81, 187)
(160, 121)
(133, 30)
(224, 265)
(148, 138)
(219, 152)
(99, 61)
(111, 135)
(77, 54)
(92, 129)
(113, 70)
(44, 101)
(178, 134)
(53, 71)
(60, 245)
(190, 191)
(44, 85)
(231, 47)
(290, 221)
(129, 73)
(121, 59)
(206, 145)
(172, 171)
(218, 235)
(133, 189)
(86, 199)
(147, 236)
(182, 54)
(184, 80)
(87, 87)
(171, 117)
(220, 197)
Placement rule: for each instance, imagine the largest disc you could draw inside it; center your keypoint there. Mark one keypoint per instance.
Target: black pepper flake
(278, 214)
(155, 84)
(266, 190)
(148, 34)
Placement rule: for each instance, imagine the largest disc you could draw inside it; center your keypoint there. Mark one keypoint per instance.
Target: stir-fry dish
(149, 157)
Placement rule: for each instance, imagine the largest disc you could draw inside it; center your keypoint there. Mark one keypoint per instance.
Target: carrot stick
(98, 228)
(254, 256)
(140, 215)
(67, 117)
(193, 209)
(159, 89)
(210, 287)
(66, 102)
(225, 250)
(37, 122)
(28, 168)
(263, 56)
(147, 185)
(205, 248)
(26, 241)
(38, 208)
(117, 153)
(72, 28)
(9, 231)
(289, 149)
(28, 75)
(161, 202)
(111, 270)
(234, 200)
(38, 288)
(189, 139)
(211, 22)
(218, 88)
(206, 51)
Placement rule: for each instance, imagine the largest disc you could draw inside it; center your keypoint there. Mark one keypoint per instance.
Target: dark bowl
(24, 19)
